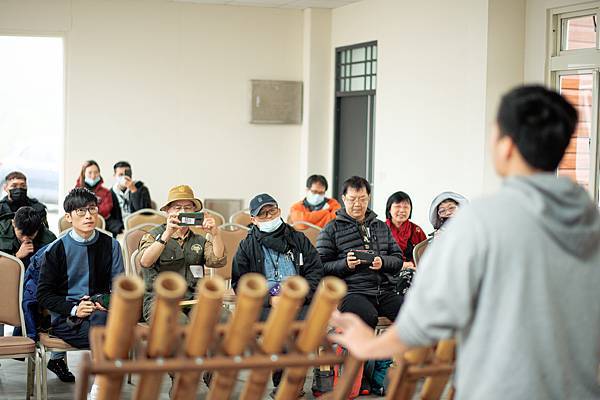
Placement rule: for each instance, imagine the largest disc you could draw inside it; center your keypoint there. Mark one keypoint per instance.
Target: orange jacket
(299, 212)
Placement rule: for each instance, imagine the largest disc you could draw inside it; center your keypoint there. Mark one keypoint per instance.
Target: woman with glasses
(443, 207)
(172, 247)
(91, 179)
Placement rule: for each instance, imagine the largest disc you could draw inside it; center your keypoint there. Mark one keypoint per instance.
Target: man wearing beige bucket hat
(171, 247)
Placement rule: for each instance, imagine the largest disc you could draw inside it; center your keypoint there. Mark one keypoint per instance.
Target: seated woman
(442, 208)
(91, 179)
(398, 212)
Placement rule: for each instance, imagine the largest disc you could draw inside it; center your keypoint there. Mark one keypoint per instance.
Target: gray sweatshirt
(516, 279)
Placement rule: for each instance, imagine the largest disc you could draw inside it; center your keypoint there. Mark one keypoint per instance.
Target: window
(574, 70)
(356, 68)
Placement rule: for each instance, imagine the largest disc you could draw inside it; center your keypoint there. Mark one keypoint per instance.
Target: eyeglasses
(444, 212)
(359, 200)
(82, 211)
(271, 212)
(183, 208)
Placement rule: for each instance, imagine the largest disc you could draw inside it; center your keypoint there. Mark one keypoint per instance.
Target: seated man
(277, 251)
(129, 195)
(170, 247)
(77, 266)
(15, 185)
(23, 233)
(315, 207)
(356, 232)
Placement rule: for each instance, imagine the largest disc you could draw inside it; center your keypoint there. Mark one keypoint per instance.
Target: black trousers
(78, 335)
(370, 308)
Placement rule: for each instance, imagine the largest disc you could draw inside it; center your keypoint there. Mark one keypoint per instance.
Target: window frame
(576, 62)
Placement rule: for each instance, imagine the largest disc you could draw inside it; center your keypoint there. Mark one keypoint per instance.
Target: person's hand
(377, 263)
(129, 183)
(274, 300)
(85, 308)
(354, 333)
(210, 225)
(408, 265)
(351, 260)
(99, 306)
(172, 226)
(25, 249)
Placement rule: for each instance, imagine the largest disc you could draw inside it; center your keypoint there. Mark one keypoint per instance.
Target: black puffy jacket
(342, 235)
(250, 258)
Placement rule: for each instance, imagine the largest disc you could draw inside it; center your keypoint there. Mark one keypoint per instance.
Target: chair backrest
(131, 241)
(232, 235)
(311, 231)
(419, 250)
(144, 216)
(241, 217)
(135, 268)
(423, 362)
(11, 287)
(219, 218)
(64, 225)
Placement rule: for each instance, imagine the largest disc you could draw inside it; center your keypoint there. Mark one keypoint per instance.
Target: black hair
(316, 179)
(356, 182)
(397, 197)
(78, 198)
(28, 221)
(15, 175)
(121, 164)
(540, 122)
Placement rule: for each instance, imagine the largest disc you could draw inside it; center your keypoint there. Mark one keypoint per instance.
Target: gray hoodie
(516, 278)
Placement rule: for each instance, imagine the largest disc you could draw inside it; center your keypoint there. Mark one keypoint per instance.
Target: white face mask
(314, 198)
(121, 180)
(270, 226)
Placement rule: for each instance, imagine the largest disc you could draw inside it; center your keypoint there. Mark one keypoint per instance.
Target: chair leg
(30, 364)
(44, 373)
(38, 373)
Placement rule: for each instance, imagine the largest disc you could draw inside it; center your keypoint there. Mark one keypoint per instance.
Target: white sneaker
(93, 392)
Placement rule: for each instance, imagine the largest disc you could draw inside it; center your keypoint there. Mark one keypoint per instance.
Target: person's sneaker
(273, 393)
(59, 367)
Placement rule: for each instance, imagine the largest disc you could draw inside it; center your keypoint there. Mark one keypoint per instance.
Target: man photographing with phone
(174, 247)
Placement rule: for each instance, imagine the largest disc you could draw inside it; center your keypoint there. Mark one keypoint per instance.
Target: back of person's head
(121, 164)
(356, 183)
(395, 198)
(28, 221)
(320, 179)
(540, 122)
(15, 175)
(79, 198)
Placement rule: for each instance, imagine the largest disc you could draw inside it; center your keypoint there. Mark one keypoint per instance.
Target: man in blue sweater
(79, 265)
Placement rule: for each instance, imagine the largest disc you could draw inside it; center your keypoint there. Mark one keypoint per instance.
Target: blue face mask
(314, 198)
(92, 182)
(270, 226)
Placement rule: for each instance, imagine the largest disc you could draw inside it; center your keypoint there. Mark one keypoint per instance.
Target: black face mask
(18, 195)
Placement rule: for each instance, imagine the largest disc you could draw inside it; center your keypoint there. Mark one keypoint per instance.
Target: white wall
(431, 87)
(536, 37)
(166, 86)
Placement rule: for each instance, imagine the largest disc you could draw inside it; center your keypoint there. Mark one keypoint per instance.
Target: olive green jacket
(196, 250)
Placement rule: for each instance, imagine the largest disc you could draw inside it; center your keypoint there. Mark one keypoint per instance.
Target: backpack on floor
(375, 372)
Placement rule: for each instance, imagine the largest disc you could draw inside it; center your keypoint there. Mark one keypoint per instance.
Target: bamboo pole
(125, 311)
(200, 332)
(331, 290)
(276, 330)
(169, 288)
(251, 291)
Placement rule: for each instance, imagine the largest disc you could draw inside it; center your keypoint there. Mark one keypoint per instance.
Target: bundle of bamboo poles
(202, 333)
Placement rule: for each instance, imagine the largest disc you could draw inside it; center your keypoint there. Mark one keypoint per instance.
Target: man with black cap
(277, 251)
(15, 185)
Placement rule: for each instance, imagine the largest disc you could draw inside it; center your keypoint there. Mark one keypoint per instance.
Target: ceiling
(298, 4)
